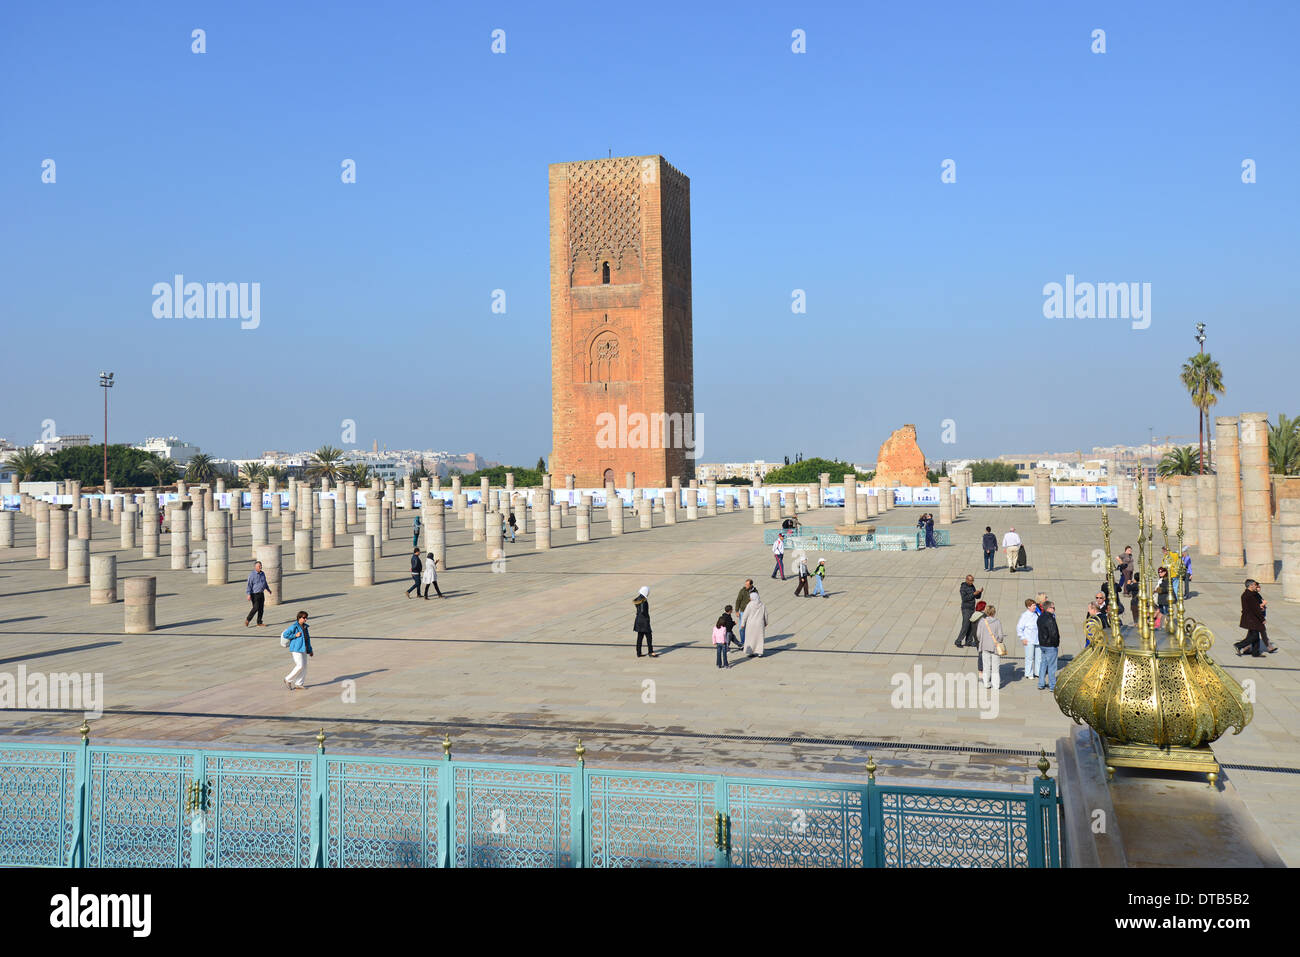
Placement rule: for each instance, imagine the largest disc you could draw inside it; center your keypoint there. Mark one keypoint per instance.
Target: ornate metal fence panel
(923, 827)
(113, 807)
(254, 810)
(650, 820)
(38, 805)
(790, 824)
(514, 816)
(383, 812)
(136, 807)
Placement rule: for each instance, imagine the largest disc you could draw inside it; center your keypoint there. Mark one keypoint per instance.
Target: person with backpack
(298, 641)
(430, 576)
(514, 527)
(819, 576)
(416, 568)
(720, 640)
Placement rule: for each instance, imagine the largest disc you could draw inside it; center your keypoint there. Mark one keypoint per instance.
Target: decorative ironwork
(257, 811)
(922, 829)
(137, 808)
(382, 813)
(513, 816)
(37, 805)
(641, 820)
(791, 825)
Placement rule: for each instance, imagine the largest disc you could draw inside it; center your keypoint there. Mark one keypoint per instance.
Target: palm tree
(1284, 445)
(1203, 379)
(200, 469)
(1180, 461)
(161, 470)
(273, 472)
(358, 472)
(27, 463)
(325, 463)
(253, 472)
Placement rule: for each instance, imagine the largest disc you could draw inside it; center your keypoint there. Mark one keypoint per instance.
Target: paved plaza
(519, 662)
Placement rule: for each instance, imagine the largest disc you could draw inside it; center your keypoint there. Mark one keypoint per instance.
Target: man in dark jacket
(416, 568)
(642, 622)
(966, 636)
(1049, 640)
(1252, 619)
(990, 544)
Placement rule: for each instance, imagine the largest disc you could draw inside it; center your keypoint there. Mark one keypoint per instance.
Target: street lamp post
(1200, 339)
(106, 383)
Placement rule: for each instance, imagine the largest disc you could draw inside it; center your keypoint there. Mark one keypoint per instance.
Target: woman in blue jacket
(300, 647)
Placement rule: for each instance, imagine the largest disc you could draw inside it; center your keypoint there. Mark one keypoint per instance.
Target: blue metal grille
(155, 807)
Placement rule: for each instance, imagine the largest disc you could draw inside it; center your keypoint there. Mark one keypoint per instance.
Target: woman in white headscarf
(754, 623)
(642, 623)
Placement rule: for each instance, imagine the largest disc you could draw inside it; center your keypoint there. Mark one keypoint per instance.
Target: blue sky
(816, 171)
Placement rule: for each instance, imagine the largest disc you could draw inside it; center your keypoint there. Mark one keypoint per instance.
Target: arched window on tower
(604, 274)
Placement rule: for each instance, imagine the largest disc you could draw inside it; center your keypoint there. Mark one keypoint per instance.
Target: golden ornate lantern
(1155, 701)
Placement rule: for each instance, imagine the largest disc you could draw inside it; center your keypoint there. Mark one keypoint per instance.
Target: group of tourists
(749, 614)
(424, 574)
(926, 524)
(1037, 630)
(1253, 611)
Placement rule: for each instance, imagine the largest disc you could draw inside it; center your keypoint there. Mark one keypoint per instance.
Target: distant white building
(733, 470)
(60, 442)
(169, 448)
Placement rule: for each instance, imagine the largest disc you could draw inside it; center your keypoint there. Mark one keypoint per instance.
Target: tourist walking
(298, 641)
(1252, 619)
(1027, 632)
(992, 646)
(416, 568)
(430, 576)
(514, 527)
(819, 579)
(969, 595)
(415, 535)
(257, 591)
(642, 622)
(1011, 544)
(1049, 640)
(742, 599)
(720, 641)
(990, 546)
(778, 552)
(802, 571)
(753, 625)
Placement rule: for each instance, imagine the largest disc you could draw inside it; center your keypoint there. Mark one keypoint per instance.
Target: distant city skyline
(928, 187)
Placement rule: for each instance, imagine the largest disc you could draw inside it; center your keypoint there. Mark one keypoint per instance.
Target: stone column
(180, 532)
(259, 522)
(424, 491)
(521, 512)
(218, 548)
(58, 543)
(140, 594)
(103, 579)
(1207, 516)
(850, 500)
(408, 499)
(1190, 505)
(692, 503)
(647, 513)
(873, 505)
(435, 533)
(1228, 466)
(42, 513)
(757, 501)
(616, 517)
(236, 504)
(543, 539)
(287, 523)
(478, 520)
(78, 563)
(557, 516)
(129, 513)
(1043, 496)
(326, 523)
(670, 507)
(363, 561)
(945, 500)
(374, 524)
(276, 507)
(386, 526)
(800, 500)
(6, 529)
(84, 529)
(270, 557)
(149, 525)
(350, 505)
(1256, 502)
(302, 549)
(115, 506)
(197, 530)
(584, 524)
(1288, 517)
(340, 512)
(711, 501)
(494, 544)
